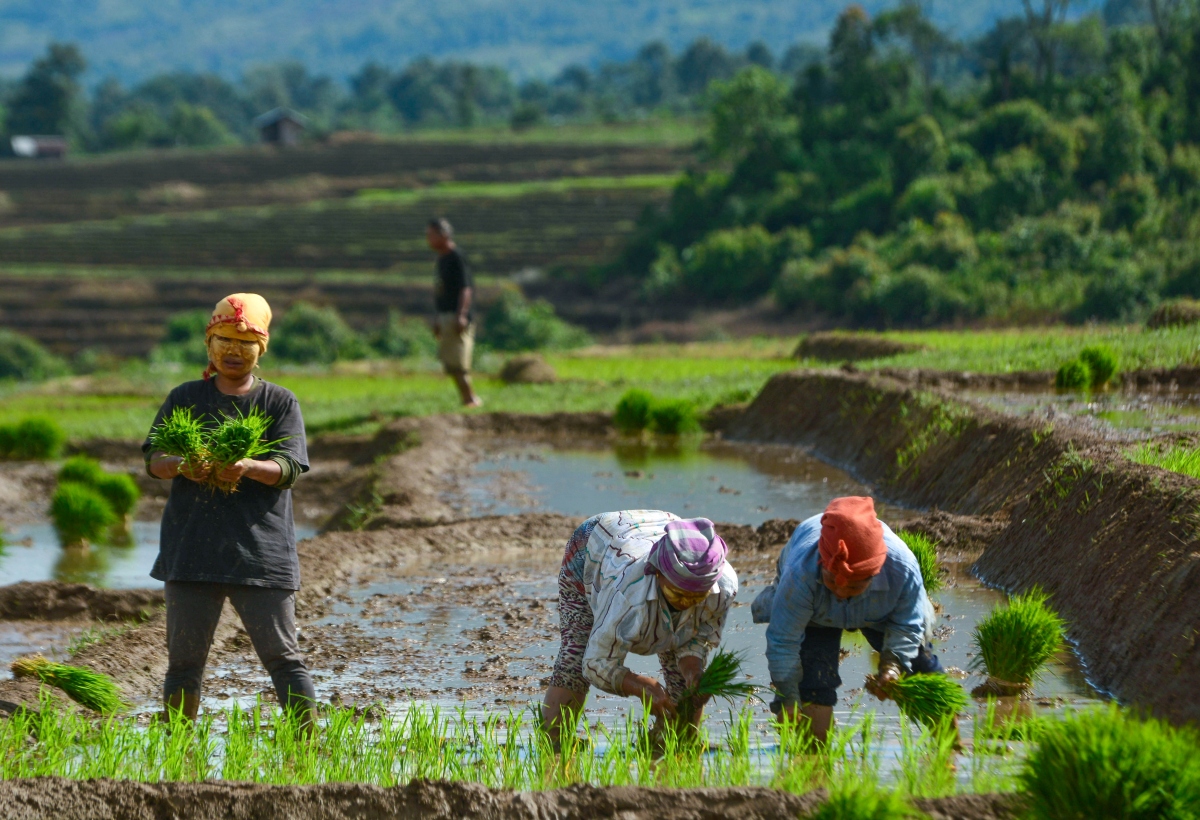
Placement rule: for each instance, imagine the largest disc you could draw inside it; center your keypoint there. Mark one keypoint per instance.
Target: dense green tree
(45, 101)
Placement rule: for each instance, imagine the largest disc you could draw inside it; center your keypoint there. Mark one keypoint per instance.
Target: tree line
(884, 185)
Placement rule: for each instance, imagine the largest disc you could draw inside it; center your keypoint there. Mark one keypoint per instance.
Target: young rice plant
(722, 678)
(94, 690)
(633, 411)
(925, 551)
(235, 438)
(80, 514)
(183, 435)
(1015, 641)
(932, 700)
(32, 439)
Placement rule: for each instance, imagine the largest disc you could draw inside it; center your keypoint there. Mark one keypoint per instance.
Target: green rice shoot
(722, 678)
(94, 690)
(925, 551)
(1176, 459)
(81, 515)
(182, 435)
(1015, 641)
(238, 437)
(930, 699)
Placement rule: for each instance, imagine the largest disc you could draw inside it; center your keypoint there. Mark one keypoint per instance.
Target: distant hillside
(133, 39)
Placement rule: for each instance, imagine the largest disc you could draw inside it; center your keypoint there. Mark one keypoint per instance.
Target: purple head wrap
(690, 555)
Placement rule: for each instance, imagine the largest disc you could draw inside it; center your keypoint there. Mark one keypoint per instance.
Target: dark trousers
(269, 616)
(819, 659)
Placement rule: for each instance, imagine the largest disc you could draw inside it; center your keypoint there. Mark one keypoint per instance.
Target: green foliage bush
(674, 417)
(308, 334)
(31, 439)
(80, 513)
(1107, 763)
(23, 359)
(403, 337)
(183, 341)
(732, 264)
(632, 414)
(514, 323)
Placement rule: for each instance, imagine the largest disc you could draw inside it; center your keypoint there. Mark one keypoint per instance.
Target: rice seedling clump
(80, 513)
(863, 800)
(94, 690)
(722, 678)
(1015, 641)
(183, 435)
(81, 469)
(1101, 362)
(633, 411)
(32, 439)
(120, 491)
(237, 437)
(1107, 763)
(925, 551)
(930, 699)
(674, 417)
(1074, 375)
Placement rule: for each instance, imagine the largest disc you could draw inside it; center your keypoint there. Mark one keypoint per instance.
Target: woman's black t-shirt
(247, 537)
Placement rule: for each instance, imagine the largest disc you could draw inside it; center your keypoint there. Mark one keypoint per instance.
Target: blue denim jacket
(894, 603)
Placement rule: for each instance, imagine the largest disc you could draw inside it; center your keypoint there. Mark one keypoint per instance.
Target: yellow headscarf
(245, 316)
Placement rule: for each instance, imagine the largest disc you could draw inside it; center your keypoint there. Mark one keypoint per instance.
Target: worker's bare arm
(167, 467)
(648, 689)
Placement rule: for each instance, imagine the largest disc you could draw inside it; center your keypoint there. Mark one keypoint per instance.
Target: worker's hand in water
(648, 689)
(881, 685)
(198, 472)
(235, 471)
(692, 669)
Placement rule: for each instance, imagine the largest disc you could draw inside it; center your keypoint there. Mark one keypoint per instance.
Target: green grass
(1016, 640)
(1105, 763)
(925, 551)
(1173, 457)
(504, 190)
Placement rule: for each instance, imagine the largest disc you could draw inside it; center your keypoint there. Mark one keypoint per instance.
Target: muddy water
(720, 481)
(32, 552)
(1124, 415)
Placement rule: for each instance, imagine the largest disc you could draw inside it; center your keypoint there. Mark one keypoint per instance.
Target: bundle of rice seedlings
(183, 435)
(1014, 642)
(633, 411)
(927, 559)
(120, 491)
(674, 417)
(235, 438)
(80, 514)
(31, 439)
(1108, 763)
(722, 678)
(94, 690)
(932, 700)
(81, 469)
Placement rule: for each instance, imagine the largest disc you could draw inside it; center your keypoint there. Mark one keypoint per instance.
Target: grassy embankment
(358, 396)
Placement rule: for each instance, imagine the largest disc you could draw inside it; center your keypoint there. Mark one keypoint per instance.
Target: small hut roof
(278, 115)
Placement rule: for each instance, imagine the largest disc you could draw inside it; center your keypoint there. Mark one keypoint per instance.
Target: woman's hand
(233, 473)
(648, 689)
(264, 472)
(194, 472)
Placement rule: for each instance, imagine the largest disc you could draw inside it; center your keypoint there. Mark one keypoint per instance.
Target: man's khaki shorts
(455, 346)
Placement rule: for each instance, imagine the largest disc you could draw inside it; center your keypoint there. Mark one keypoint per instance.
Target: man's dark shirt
(247, 537)
(452, 277)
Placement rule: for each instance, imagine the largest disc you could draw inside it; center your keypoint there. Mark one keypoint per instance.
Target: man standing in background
(453, 290)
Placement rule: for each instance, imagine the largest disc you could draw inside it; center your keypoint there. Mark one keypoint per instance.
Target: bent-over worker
(242, 545)
(842, 570)
(641, 581)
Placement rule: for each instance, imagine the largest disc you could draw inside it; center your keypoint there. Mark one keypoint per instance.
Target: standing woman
(242, 545)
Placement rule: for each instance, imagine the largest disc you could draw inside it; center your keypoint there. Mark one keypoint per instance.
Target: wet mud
(44, 798)
(56, 601)
(1117, 544)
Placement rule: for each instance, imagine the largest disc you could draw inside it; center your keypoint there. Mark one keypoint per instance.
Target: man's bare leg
(465, 391)
(811, 716)
(560, 705)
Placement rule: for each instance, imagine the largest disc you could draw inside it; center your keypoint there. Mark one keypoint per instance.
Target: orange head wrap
(851, 543)
(245, 316)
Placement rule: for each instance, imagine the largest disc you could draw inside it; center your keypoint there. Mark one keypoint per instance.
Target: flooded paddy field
(1121, 414)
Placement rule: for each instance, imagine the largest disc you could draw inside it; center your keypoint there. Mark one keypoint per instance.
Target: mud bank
(44, 798)
(56, 601)
(1167, 379)
(1116, 543)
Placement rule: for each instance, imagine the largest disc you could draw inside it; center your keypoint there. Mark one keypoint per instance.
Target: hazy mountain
(132, 39)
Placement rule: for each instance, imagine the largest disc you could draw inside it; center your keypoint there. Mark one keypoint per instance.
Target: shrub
(120, 491)
(314, 335)
(925, 198)
(1116, 291)
(918, 297)
(183, 340)
(633, 411)
(24, 359)
(1074, 375)
(31, 439)
(1101, 361)
(674, 417)
(403, 337)
(80, 513)
(739, 263)
(82, 470)
(1106, 763)
(1175, 313)
(925, 551)
(514, 323)
(1016, 640)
